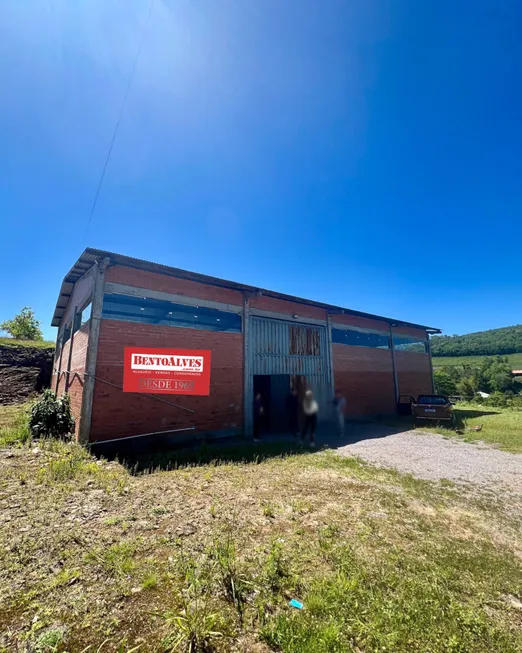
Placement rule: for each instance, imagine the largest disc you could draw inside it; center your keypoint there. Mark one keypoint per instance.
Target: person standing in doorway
(340, 408)
(310, 410)
(259, 414)
(292, 407)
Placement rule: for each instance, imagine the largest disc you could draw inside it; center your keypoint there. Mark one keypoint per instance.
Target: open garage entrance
(275, 390)
(285, 354)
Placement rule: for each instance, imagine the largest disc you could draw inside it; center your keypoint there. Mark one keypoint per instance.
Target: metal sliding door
(278, 347)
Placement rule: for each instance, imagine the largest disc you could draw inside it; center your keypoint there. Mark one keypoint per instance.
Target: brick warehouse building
(258, 339)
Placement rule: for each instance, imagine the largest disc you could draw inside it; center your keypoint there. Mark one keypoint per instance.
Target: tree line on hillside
(507, 340)
(491, 375)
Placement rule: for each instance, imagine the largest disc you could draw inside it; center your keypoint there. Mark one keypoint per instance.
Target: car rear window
(432, 399)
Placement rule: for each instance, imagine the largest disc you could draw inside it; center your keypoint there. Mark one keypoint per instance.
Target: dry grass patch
(205, 557)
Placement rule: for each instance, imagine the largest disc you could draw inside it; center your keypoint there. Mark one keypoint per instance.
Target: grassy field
(41, 344)
(440, 362)
(501, 427)
(205, 556)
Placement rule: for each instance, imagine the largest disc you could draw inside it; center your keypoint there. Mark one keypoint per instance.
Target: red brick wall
(118, 414)
(413, 373)
(79, 354)
(409, 331)
(164, 283)
(61, 368)
(362, 322)
(81, 294)
(289, 308)
(365, 377)
(413, 368)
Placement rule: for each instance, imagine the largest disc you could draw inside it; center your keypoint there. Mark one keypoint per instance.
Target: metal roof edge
(90, 255)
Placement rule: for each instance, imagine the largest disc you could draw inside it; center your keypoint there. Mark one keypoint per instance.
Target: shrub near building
(492, 375)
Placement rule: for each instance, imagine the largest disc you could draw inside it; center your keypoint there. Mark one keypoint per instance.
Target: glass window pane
(407, 343)
(66, 333)
(432, 399)
(86, 314)
(156, 311)
(360, 338)
(82, 317)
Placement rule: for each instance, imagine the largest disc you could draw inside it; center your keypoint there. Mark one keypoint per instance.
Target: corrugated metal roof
(90, 256)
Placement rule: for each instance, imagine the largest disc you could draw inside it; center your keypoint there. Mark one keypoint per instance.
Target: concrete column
(330, 353)
(71, 345)
(89, 381)
(58, 337)
(395, 378)
(431, 364)
(247, 371)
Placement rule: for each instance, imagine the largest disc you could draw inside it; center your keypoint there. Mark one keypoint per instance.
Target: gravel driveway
(433, 457)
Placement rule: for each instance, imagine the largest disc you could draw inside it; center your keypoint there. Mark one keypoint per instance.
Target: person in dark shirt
(292, 407)
(259, 413)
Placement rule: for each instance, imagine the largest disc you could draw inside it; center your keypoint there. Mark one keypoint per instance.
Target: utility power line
(117, 125)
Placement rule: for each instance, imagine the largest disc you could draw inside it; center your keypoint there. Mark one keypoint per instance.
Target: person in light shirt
(340, 408)
(310, 410)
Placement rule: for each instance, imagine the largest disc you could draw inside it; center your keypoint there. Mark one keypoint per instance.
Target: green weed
(116, 560)
(232, 577)
(150, 582)
(268, 510)
(194, 630)
(194, 627)
(276, 569)
(14, 426)
(72, 463)
(49, 641)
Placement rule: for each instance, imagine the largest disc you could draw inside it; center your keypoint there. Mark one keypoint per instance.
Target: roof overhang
(92, 256)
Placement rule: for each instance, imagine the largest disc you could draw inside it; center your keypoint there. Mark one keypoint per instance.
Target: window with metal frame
(82, 317)
(59, 345)
(147, 310)
(408, 343)
(66, 333)
(356, 338)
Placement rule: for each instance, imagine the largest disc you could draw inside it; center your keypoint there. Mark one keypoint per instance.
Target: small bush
(500, 400)
(51, 416)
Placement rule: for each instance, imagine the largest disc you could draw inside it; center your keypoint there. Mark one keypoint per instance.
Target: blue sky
(365, 153)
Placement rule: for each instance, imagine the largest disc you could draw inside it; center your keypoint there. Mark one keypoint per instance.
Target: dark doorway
(274, 390)
(262, 386)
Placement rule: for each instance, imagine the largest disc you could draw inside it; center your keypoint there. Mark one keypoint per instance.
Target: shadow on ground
(462, 414)
(153, 455)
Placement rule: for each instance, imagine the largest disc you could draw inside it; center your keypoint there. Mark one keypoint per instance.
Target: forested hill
(483, 343)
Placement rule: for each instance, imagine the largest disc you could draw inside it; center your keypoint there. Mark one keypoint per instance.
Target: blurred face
(309, 394)
(258, 396)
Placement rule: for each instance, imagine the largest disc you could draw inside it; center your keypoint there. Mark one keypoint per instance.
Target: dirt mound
(24, 371)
